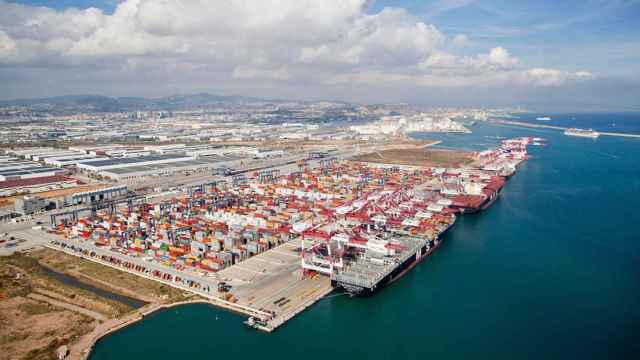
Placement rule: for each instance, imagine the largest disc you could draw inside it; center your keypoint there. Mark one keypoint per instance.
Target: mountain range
(116, 104)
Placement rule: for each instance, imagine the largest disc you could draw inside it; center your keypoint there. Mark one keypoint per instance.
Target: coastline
(82, 349)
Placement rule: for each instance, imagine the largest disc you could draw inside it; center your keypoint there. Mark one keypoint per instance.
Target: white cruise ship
(582, 133)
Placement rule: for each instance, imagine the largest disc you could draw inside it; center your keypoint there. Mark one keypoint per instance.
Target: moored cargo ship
(356, 282)
(588, 133)
(397, 240)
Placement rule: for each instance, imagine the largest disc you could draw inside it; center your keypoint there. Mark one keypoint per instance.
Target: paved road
(68, 306)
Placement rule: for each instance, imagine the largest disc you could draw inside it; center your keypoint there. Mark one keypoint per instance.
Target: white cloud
(497, 59)
(288, 41)
(461, 41)
(500, 57)
(551, 77)
(7, 45)
(248, 72)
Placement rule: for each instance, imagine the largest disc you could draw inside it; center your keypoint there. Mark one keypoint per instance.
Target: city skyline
(576, 55)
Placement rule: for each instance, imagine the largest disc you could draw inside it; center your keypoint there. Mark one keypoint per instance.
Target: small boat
(254, 322)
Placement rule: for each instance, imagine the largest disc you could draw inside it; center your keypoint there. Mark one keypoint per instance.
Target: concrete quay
(268, 286)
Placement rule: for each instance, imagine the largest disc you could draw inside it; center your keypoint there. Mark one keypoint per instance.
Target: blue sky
(602, 35)
(106, 5)
(544, 47)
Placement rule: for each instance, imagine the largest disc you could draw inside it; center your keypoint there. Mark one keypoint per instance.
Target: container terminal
(271, 243)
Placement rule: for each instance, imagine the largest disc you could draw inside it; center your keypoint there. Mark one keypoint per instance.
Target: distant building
(96, 196)
(7, 215)
(268, 153)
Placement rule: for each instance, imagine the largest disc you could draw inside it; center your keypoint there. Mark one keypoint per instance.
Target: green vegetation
(13, 337)
(37, 278)
(36, 308)
(103, 274)
(44, 353)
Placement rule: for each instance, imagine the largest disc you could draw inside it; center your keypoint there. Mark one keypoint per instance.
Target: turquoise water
(551, 271)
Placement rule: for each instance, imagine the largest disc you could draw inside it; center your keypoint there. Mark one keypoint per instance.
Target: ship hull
(424, 252)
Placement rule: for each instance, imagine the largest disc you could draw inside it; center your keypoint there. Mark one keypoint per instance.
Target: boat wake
(612, 156)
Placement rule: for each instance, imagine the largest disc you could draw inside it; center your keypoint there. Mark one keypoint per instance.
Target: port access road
(268, 286)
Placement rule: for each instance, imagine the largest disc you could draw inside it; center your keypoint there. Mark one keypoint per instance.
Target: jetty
(542, 126)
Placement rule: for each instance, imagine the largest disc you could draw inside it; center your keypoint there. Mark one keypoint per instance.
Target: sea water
(551, 271)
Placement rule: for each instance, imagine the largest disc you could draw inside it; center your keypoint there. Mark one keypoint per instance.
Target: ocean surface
(551, 271)
(625, 122)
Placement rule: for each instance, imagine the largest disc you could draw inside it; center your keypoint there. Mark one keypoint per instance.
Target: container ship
(364, 276)
(363, 226)
(588, 133)
(374, 241)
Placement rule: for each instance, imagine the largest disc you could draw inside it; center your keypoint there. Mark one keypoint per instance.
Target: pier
(270, 249)
(541, 126)
(269, 286)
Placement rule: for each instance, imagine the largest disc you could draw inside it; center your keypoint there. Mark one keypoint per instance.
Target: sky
(544, 55)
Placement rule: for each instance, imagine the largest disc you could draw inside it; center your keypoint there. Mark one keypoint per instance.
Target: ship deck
(365, 272)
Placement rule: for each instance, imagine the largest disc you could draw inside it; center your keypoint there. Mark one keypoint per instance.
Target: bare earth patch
(31, 329)
(416, 156)
(38, 313)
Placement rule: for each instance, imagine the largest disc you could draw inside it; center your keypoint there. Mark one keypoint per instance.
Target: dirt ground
(32, 329)
(418, 157)
(39, 313)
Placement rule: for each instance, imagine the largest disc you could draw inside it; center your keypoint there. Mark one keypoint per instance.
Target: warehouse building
(36, 185)
(29, 173)
(127, 153)
(18, 165)
(28, 205)
(195, 167)
(29, 152)
(55, 154)
(90, 197)
(97, 149)
(103, 165)
(73, 161)
(165, 149)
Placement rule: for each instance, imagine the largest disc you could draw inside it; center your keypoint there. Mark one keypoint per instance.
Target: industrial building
(103, 165)
(166, 149)
(56, 154)
(196, 166)
(127, 152)
(72, 161)
(29, 173)
(97, 149)
(35, 185)
(28, 205)
(29, 152)
(90, 197)
(267, 153)
(16, 164)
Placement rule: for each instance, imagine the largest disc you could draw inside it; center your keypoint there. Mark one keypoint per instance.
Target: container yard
(269, 244)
